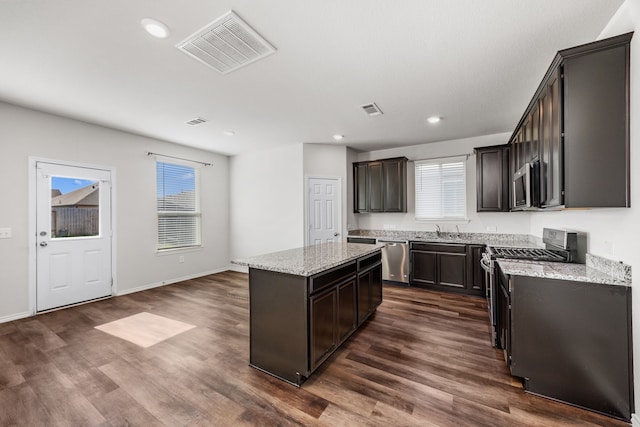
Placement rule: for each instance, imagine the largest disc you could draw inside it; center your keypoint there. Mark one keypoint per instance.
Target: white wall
(25, 132)
(517, 222)
(266, 201)
(613, 233)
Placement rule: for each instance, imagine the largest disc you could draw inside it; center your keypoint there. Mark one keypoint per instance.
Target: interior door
(73, 219)
(325, 210)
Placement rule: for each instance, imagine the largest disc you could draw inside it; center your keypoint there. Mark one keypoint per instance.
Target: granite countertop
(589, 273)
(492, 239)
(309, 260)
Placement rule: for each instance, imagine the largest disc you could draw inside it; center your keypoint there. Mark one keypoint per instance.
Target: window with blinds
(441, 189)
(178, 199)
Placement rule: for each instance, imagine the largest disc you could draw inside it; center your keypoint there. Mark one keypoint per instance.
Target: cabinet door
(475, 273)
(595, 100)
(452, 269)
(492, 183)
(347, 309)
(374, 171)
(534, 153)
(360, 192)
(364, 296)
(555, 185)
(423, 267)
(376, 287)
(323, 331)
(394, 172)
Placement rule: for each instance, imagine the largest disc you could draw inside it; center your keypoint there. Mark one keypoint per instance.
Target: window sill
(162, 252)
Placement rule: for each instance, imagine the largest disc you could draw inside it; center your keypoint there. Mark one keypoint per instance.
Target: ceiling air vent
(196, 121)
(226, 44)
(372, 109)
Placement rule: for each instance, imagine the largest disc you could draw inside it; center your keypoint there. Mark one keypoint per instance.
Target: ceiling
(474, 63)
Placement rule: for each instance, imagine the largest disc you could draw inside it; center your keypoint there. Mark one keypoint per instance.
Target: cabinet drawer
(456, 248)
(331, 277)
(373, 259)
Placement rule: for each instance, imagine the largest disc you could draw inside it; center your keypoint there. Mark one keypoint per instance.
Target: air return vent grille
(196, 121)
(372, 109)
(226, 44)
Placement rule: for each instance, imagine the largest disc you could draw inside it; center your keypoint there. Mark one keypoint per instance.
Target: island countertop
(309, 260)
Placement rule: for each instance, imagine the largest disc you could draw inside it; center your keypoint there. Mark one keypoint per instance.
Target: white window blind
(178, 199)
(441, 189)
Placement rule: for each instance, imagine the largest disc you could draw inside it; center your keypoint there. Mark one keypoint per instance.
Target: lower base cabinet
(297, 322)
(571, 341)
(449, 267)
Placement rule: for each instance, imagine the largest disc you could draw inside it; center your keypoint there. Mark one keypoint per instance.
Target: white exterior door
(324, 210)
(73, 220)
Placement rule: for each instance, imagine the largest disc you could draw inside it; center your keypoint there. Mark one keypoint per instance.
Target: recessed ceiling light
(229, 132)
(155, 28)
(434, 119)
(338, 137)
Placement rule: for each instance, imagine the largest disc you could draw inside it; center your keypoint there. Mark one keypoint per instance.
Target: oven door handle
(485, 266)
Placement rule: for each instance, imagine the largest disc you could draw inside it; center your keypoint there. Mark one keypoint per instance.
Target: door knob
(43, 244)
(335, 234)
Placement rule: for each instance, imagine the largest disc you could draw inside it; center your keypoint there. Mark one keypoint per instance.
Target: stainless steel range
(560, 246)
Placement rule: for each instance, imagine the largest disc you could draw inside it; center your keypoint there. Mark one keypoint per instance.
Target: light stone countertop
(491, 239)
(560, 270)
(309, 260)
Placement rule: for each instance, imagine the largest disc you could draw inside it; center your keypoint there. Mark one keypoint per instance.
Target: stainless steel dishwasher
(395, 260)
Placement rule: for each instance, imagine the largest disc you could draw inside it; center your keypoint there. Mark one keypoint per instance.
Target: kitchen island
(304, 303)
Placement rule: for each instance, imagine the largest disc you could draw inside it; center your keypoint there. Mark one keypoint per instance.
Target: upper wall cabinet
(380, 186)
(492, 178)
(577, 127)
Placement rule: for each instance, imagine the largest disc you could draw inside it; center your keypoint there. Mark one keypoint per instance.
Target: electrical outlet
(608, 247)
(492, 228)
(5, 233)
(181, 259)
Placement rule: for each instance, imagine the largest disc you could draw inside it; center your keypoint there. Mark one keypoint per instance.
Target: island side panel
(278, 324)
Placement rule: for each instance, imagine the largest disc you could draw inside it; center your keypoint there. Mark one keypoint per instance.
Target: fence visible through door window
(178, 198)
(75, 207)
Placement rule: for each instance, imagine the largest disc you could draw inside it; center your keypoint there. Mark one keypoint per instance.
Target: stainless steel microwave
(525, 186)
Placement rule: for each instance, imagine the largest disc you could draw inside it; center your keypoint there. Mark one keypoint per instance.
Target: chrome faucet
(437, 230)
(457, 232)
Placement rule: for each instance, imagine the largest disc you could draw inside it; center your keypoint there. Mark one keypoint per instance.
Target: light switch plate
(5, 233)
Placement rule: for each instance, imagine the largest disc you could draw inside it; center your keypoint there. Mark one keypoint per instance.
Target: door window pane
(75, 206)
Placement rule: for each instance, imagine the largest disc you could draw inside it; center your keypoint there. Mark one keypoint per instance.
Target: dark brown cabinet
(441, 266)
(297, 322)
(323, 331)
(375, 186)
(452, 267)
(569, 340)
(492, 179)
(369, 290)
(475, 273)
(551, 186)
(380, 186)
(347, 309)
(577, 126)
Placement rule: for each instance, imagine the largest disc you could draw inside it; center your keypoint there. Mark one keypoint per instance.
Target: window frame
(196, 213)
(420, 216)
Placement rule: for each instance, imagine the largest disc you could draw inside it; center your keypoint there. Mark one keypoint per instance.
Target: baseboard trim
(239, 268)
(635, 420)
(12, 317)
(168, 282)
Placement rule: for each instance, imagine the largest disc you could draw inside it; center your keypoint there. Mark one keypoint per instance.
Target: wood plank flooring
(424, 359)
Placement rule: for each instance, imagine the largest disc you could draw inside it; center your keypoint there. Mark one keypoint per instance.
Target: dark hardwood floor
(424, 359)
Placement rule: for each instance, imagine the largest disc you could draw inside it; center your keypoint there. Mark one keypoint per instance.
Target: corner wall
(25, 133)
(266, 201)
